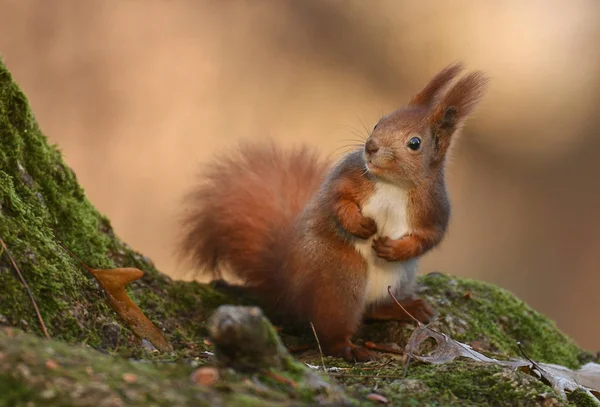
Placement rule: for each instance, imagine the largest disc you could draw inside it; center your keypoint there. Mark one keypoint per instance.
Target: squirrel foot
(364, 228)
(417, 307)
(393, 249)
(351, 353)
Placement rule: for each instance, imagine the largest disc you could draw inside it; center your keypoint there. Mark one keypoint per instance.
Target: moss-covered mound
(41, 205)
(94, 354)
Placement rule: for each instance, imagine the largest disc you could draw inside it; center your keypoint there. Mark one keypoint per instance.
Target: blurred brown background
(137, 94)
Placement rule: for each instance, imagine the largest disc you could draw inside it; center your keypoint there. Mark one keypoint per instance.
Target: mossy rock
(42, 205)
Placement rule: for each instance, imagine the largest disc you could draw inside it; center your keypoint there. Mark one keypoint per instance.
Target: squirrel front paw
(392, 249)
(365, 228)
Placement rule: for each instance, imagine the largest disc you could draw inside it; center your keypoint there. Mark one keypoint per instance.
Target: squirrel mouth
(372, 167)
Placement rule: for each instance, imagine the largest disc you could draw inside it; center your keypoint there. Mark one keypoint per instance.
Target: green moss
(42, 204)
(459, 383)
(55, 373)
(580, 398)
(16, 393)
(475, 311)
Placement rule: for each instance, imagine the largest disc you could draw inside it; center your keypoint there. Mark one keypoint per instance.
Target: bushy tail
(242, 213)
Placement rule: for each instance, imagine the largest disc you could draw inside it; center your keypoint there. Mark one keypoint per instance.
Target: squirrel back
(241, 216)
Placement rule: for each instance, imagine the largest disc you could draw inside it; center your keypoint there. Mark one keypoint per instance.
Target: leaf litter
(446, 349)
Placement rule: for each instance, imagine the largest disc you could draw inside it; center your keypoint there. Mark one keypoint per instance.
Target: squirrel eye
(414, 143)
(375, 126)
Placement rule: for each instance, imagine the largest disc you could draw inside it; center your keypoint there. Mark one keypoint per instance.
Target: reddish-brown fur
(286, 225)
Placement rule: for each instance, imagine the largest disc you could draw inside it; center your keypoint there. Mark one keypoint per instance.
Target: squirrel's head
(410, 144)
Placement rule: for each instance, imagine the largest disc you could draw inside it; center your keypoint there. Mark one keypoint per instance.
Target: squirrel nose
(371, 146)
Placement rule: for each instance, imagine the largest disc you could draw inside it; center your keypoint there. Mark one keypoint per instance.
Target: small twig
(419, 323)
(118, 343)
(377, 367)
(85, 266)
(406, 366)
(382, 348)
(319, 346)
(29, 293)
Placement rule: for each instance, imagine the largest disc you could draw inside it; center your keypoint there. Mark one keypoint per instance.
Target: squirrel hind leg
(335, 322)
(390, 311)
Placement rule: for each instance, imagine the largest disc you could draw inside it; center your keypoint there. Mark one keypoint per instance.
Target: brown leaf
(129, 377)
(114, 282)
(50, 364)
(206, 376)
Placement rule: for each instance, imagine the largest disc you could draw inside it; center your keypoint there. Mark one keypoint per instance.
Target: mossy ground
(42, 204)
(489, 318)
(53, 373)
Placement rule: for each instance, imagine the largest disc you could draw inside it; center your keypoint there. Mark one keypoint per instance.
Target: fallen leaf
(378, 398)
(206, 376)
(129, 377)
(448, 349)
(561, 378)
(50, 364)
(114, 281)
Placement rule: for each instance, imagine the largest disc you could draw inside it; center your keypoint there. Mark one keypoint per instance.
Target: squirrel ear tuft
(449, 117)
(429, 94)
(460, 101)
(454, 109)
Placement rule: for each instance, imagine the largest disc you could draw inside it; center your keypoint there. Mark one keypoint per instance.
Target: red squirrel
(323, 244)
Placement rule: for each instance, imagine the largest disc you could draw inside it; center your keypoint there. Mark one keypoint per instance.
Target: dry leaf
(50, 364)
(129, 377)
(114, 282)
(206, 376)
(562, 379)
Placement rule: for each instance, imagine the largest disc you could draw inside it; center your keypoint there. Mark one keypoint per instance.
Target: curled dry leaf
(114, 281)
(560, 378)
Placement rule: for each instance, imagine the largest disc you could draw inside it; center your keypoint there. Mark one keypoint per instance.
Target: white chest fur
(388, 207)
